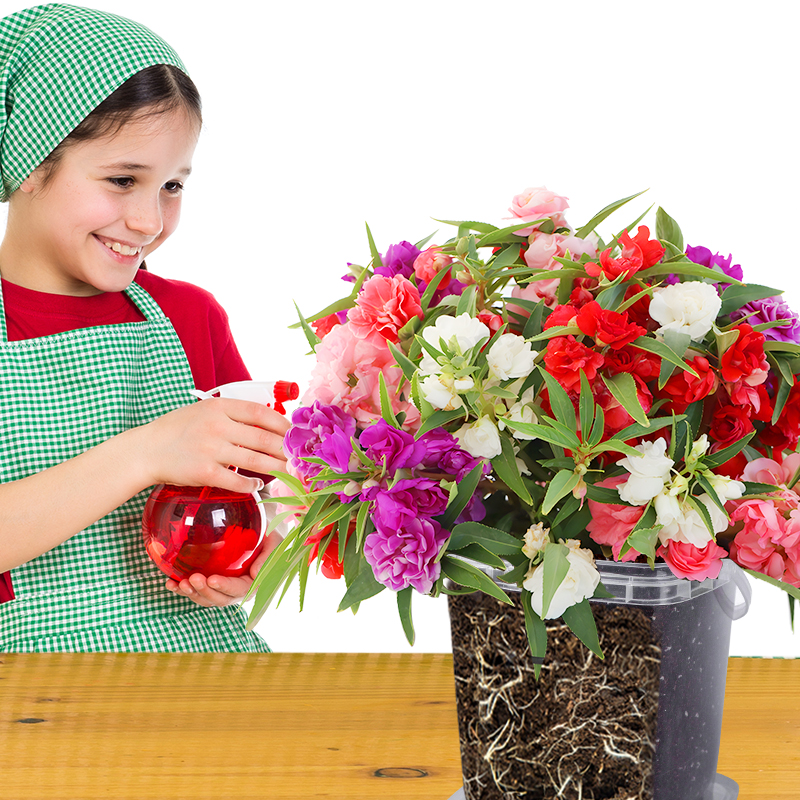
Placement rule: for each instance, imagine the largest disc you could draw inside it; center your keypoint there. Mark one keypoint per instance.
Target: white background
(322, 116)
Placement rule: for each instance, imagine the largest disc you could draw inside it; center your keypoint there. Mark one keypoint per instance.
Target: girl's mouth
(122, 249)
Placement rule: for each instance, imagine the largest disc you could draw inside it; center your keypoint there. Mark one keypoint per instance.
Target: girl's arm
(191, 446)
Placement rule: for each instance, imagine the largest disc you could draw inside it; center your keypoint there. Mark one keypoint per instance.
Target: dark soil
(585, 731)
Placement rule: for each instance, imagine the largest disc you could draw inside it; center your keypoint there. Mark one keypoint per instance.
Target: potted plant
(544, 417)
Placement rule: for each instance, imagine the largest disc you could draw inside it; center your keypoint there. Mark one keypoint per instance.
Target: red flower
(561, 316)
(637, 362)
(324, 326)
(608, 328)
(566, 357)
(728, 425)
(491, 320)
(744, 360)
(581, 295)
(785, 433)
(639, 312)
(683, 388)
(637, 253)
(755, 399)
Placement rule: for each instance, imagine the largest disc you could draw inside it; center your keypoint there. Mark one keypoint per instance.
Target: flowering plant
(531, 398)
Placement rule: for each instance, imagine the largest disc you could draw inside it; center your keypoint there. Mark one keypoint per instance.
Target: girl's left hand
(217, 590)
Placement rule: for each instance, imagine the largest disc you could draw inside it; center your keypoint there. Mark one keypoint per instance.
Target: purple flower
(703, 256)
(319, 431)
(771, 309)
(474, 511)
(391, 448)
(402, 557)
(406, 499)
(442, 453)
(399, 260)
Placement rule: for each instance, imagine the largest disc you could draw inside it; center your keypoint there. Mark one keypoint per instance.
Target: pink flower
(538, 203)
(546, 290)
(429, 263)
(687, 561)
(765, 470)
(612, 524)
(749, 550)
(347, 375)
(760, 517)
(384, 305)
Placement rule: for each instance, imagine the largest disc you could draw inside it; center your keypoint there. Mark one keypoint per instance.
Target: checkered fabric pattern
(98, 591)
(57, 64)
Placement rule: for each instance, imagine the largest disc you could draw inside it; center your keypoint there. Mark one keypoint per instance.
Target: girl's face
(109, 204)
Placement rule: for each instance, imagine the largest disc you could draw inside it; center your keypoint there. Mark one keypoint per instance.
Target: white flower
(440, 392)
(580, 582)
(681, 523)
(480, 439)
(536, 539)
(649, 472)
(521, 411)
(510, 356)
(458, 334)
(689, 307)
(725, 487)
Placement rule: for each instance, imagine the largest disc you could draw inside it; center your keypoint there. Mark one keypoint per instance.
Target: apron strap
(3, 330)
(144, 302)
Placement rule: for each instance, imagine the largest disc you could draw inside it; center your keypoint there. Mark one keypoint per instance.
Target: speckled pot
(642, 724)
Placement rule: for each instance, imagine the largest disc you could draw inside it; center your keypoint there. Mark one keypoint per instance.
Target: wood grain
(294, 725)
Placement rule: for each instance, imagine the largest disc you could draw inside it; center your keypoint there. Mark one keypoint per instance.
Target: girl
(98, 124)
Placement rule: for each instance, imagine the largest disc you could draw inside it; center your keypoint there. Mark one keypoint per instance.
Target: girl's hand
(217, 590)
(195, 445)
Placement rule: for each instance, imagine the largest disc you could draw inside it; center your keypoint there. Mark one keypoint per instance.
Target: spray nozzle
(272, 394)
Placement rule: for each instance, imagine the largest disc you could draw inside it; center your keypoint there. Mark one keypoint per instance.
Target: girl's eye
(173, 187)
(122, 183)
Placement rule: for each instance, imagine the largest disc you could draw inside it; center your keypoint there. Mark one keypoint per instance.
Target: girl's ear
(33, 182)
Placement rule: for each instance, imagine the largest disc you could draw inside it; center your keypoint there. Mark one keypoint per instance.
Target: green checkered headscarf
(57, 64)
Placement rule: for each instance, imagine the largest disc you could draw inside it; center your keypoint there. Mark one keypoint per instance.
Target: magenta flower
(391, 448)
(771, 309)
(406, 499)
(406, 556)
(399, 260)
(442, 453)
(319, 431)
(704, 257)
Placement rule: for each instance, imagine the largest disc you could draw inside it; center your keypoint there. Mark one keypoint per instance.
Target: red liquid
(212, 531)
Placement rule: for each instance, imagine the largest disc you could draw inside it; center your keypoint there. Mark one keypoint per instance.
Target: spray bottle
(204, 529)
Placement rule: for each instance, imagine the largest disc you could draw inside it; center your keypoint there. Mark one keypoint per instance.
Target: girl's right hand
(195, 445)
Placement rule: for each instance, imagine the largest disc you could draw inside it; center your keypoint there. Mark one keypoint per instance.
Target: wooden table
(249, 727)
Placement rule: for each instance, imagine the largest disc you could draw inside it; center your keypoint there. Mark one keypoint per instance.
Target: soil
(586, 730)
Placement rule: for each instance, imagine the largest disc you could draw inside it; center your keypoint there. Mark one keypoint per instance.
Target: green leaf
(466, 488)
(404, 609)
(403, 361)
(643, 541)
(467, 302)
(465, 574)
(787, 587)
(665, 351)
(506, 256)
(312, 337)
(431, 288)
(636, 430)
(562, 406)
(781, 396)
(561, 484)
(604, 494)
(598, 427)
(704, 513)
(623, 387)
(580, 620)
(685, 267)
(533, 325)
(376, 256)
(586, 407)
(546, 433)
(737, 295)
(772, 345)
(469, 225)
(362, 588)
(386, 405)
(583, 232)
(506, 469)
(536, 630)
(440, 418)
(474, 552)
(556, 567)
(503, 235)
(492, 539)
(668, 230)
(713, 460)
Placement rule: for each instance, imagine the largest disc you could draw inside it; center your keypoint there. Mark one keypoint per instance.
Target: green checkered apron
(98, 591)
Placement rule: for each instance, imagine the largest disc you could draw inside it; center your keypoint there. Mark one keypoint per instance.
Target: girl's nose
(146, 217)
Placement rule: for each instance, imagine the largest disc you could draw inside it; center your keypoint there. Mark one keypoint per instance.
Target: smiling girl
(98, 125)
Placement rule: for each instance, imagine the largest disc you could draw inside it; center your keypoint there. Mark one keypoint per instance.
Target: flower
(406, 556)
(538, 203)
(611, 524)
(536, 539)
(702, 256)
(399, 260)
(441, 392)
(683, 388)
(769, 310)
(580, 582)
(510, 356)
(480, 438)
(637, 253)
(689, 307)
(648, 472)
(319, 431)
(607, 328)
(384, 305)
(697, 564)
(744, 360)
(457, 334)
(390, 448)
(429, 263)
(566, 356)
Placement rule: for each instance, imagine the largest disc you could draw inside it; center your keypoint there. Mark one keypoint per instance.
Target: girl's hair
(153, 90)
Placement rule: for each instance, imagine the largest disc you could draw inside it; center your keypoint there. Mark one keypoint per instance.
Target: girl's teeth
(122, 249)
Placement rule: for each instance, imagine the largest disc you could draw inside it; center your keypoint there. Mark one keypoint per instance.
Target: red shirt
(200, 322)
